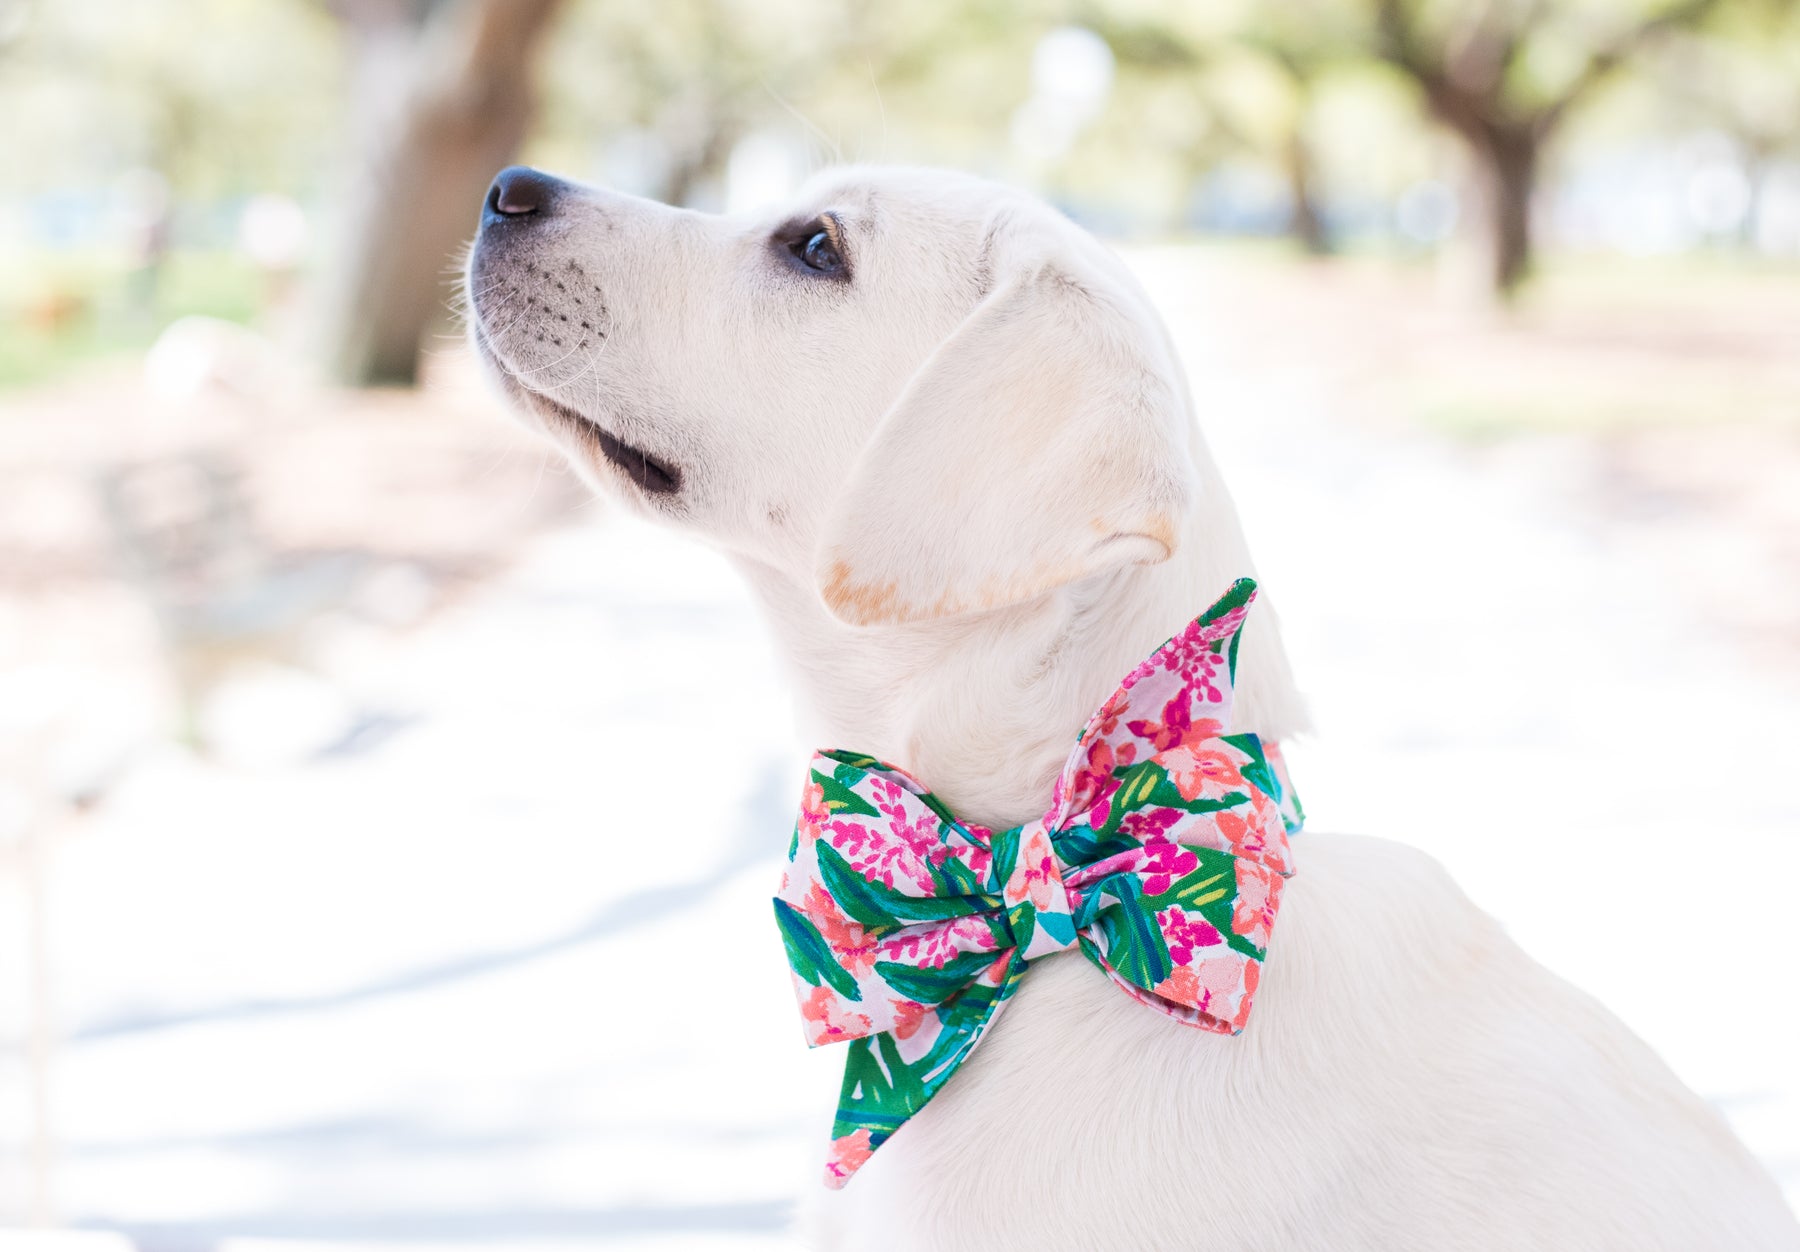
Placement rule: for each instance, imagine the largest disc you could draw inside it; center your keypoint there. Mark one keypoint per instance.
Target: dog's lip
(652, 474)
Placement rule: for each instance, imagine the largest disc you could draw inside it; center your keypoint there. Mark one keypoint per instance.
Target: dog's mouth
(652, 474)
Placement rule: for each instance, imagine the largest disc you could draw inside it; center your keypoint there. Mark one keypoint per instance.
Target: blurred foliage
(1352, 124)
(221, 97)
(230, 97)
(48, 332)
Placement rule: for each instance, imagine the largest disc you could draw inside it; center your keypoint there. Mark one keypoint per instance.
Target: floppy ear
(1042, 442)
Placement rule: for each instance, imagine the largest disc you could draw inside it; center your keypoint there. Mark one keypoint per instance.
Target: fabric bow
(1161, 857)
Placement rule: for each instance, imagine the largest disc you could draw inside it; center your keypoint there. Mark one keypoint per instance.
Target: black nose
(519, 190)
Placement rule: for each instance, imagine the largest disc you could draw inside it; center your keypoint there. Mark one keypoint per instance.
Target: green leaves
(1257, 771)
(1134, 944)
(934, 986)
(1083, 845)
(1236, 597)
(1137, 785)
(840, 795)
(880, 1089)
(1148, 785)
(809, 956)
(1005, 846)
(879, 906)
(1193, 892)
(1210, 892)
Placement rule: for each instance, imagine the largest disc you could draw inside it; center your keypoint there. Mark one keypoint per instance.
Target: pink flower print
(1201, 773)
(1167, 733)
(1272, 842)
(827, 1021)
(1106, 721)
(1216, 980)
(1209, 986)
(1094, 782)
(907, 848)
(1181, 986)
(812, 811)
(933, 945)
(907, 1016)
(1248, 833)
(1196, 663)
(1252, 976)
(854, 840)
(1242, 836)
(1205, 662)
(1163, 863)
(995, 974)
(848, 1154)
(1177, 728)
(1036, 876)
(975, 851)
(1149, 825)
(1183, 934)
(920, 835)
(1258, 896)
(849, 942)
(1226, 626)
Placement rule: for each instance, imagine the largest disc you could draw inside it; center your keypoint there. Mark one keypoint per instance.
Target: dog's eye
(812, 246)
(817, 252)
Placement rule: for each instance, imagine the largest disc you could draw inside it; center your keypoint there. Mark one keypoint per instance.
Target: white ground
(413, 989)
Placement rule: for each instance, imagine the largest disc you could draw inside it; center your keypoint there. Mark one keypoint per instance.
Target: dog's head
(924, 394)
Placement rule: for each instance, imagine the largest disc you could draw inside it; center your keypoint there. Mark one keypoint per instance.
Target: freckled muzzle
(540, 317)
(531, 305)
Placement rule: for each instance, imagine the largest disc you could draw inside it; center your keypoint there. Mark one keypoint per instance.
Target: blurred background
(334, 868)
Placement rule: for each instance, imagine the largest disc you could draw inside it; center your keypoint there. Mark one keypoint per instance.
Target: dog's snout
(520, 191)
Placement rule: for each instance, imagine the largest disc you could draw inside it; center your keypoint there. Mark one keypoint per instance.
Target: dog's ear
(1043, 442)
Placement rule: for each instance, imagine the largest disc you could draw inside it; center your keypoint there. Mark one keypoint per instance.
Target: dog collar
(1161, 858)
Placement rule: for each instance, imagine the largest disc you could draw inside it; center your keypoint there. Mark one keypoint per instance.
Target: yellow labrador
(944, 436)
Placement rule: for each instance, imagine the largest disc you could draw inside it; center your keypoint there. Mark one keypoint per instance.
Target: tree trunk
(1307, 226)
(1508, 161)
(415, 195)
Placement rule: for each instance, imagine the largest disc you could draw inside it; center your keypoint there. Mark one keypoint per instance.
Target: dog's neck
(984, 709)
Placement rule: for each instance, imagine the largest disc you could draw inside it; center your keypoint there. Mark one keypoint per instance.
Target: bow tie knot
(1039, 919)
(1161, 858)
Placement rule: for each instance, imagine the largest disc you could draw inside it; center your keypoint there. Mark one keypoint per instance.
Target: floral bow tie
(1161, 858)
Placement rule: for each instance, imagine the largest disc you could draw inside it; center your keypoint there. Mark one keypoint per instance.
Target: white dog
(945, 437)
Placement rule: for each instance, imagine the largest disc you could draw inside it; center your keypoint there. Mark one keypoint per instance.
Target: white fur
(967, 487)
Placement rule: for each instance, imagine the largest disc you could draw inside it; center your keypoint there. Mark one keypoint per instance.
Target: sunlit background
(338, 886)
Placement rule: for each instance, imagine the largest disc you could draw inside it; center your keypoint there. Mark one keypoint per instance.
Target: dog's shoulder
(1393, 895)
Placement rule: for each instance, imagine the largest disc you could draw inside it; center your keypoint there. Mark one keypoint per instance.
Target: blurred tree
(1217, 117)
(1302, 40)
(688, 78)
(1744, 77)
(1299, 63)
(672, 89)
(1503, 75)
(111, 87)
(1256, 71)
(444, 94)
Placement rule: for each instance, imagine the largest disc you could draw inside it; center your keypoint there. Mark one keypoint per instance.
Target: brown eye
(817, 252)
